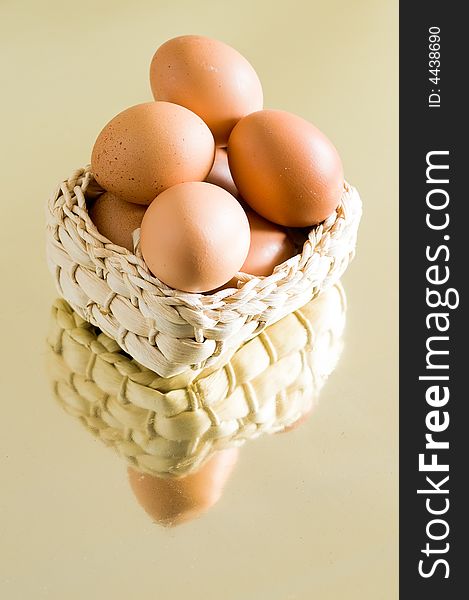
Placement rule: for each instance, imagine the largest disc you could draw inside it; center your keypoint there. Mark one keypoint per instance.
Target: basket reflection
(180, 434)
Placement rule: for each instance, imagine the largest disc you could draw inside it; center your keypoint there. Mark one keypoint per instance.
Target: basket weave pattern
(167, 330)
(169, 426)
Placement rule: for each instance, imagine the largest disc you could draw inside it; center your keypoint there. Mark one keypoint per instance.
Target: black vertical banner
(434, 252)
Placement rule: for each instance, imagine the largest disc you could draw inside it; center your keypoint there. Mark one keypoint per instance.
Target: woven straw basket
(167, 330)
(169, 427)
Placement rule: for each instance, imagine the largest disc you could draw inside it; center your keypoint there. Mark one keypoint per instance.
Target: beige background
(311, 514)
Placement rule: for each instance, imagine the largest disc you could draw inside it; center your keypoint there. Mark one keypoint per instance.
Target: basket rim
(166, 329)
(74, 205)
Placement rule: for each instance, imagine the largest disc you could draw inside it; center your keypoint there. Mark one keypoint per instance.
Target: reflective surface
(307, 514)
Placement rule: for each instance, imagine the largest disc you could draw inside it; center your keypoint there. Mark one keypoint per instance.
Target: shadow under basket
(167, 330)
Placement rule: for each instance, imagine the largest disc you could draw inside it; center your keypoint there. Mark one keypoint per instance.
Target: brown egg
(270, 246)
(220, 174)
(149, 148)
(195, 236)
(116, 219)
(208, 77)
(285, 168)
(171, 502)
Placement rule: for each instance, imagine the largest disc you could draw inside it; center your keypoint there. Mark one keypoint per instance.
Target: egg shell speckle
(150, 147)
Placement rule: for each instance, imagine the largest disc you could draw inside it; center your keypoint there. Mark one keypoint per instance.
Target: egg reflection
(179, 429)
(174, 501)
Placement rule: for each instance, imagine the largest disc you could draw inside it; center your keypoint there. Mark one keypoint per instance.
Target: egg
(285, 168)
(116, 219)
(195, 236)
(220, 174)
(173, 501)
(210, 78)
(150, 147)
(270, 246)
